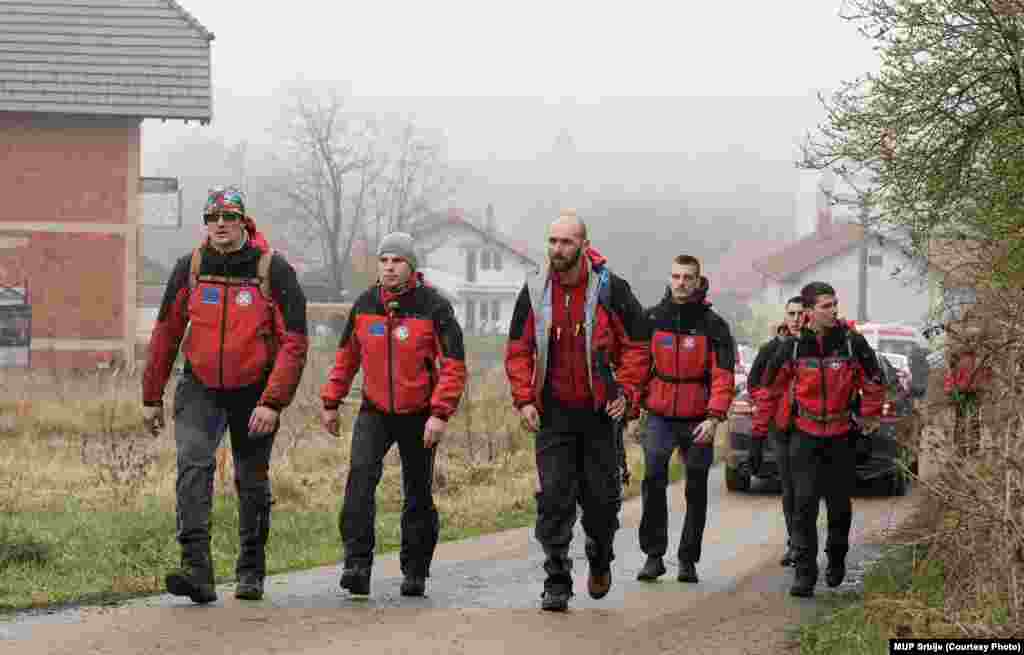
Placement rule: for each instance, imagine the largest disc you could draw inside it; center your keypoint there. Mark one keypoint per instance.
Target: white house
(477, 268)
(859, 263)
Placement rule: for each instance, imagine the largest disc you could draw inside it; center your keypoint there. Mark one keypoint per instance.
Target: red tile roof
(734, 272)
(809, 251)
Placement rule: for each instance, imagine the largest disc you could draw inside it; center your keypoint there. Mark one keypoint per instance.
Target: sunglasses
(228, 217)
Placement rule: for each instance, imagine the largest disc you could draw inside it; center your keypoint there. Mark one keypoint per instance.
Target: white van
(895, 338)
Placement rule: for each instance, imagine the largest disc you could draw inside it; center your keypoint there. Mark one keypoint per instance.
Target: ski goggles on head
(226, 217)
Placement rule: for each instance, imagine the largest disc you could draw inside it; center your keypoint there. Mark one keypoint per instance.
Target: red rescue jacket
(811, 382)
(693, 358)
(410, 349)
(612, 331)
(238, 336)
(965, 375)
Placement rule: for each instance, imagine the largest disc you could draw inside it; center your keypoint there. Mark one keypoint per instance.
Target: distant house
(76, 81)
(477, 268)
(855, 262)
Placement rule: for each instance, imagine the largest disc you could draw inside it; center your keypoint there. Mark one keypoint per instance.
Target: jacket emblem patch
(689, 343)
(666, 342)
(377, 330)
(402, 333)
(211, 296)
(244, 298)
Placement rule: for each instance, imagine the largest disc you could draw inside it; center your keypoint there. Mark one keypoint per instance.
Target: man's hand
(263, 421)
(870, 425)
(153, 419)
(617, 408)
(705, 432)
(530, 417)
(433, 431)
(329, 420)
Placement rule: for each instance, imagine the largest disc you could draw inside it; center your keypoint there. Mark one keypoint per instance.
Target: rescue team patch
(377, 330)
(211, 296)
(244, 298)
(666, 342)
(402, 333)
(689, 343)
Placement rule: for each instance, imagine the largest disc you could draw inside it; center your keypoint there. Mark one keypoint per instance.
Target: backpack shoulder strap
(194, 267)
(263, 272)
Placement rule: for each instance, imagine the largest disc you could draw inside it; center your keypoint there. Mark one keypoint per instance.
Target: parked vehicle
(880, 458)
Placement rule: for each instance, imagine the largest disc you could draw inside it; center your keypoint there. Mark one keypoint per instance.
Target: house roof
(140, 58)
(455, 218)
(809, 251)
(734, 271)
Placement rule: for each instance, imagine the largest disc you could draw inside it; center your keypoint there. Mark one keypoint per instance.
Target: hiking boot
(803, 584)
(414, 585)
(599, 583)
(653, 569)
(687, 572)
(835, 572)
(555, 599)
(789, 558)
(249, 587)
(356, 580)
(192, 581)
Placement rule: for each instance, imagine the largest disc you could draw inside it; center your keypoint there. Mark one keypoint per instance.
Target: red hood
(597, 260)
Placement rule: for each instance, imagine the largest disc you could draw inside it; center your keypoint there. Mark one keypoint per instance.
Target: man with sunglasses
(764, 423)
(244, 355)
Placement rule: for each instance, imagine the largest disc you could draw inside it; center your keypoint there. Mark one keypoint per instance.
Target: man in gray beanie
(404, 336)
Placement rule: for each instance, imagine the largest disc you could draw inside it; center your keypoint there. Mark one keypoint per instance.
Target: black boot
(249, 587)
(414, 585)
(194, 578)
(687, 572)
(803, 583)
(556, 598)
(653, 569)
(356, 579)
(835, 572)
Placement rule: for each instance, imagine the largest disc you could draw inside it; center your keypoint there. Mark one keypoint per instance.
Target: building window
(495, 310)
(470, 266)
(496, 260)
(485, 260)
(470, 315)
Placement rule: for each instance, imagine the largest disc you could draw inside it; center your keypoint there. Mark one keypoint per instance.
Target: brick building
(76, 81)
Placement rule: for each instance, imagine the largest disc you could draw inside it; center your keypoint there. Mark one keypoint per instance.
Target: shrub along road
(483, 598)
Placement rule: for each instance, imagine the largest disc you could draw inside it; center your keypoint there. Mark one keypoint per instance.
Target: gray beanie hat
(399, 244)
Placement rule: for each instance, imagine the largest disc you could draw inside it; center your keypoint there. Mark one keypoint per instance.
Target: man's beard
(563, 265)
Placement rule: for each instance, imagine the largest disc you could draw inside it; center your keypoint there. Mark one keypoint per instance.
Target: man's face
(565, 245)
(393, 271)
(684, 281)
(225, 229)
(824, 312)
(794, 317)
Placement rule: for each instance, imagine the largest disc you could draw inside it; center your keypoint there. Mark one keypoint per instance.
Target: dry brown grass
(80, 436)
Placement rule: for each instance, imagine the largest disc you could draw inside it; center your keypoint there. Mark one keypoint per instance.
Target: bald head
(567, 218)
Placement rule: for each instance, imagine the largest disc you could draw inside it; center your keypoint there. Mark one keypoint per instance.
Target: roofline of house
(190, 19)
(490, 236)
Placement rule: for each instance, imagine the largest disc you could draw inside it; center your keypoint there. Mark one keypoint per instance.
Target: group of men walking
(582, 357)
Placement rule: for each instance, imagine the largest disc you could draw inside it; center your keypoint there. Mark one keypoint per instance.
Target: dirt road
(483, 599)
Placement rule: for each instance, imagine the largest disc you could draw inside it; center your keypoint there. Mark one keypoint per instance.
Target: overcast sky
(565, 60)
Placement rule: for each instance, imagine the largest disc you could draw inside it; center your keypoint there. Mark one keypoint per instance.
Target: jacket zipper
(677, 387)
(391, 374)
(223, 322)
(824, 389)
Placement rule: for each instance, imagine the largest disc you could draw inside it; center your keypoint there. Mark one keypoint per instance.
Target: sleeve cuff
(271, 404)
(437, 413)
(331, 405)
(153, 403)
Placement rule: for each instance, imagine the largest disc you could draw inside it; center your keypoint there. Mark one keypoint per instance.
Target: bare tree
(414, 180)
(333, 165)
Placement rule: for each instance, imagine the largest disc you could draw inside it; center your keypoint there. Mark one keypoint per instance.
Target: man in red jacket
(816, 376)
(244, 357)
(963, 381)
(687, 397)
(404, 336)
(571, 322)
(790, 327)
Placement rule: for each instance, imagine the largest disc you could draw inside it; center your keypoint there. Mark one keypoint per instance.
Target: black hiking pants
(577, 461)
(372, 437)
(200, 418)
